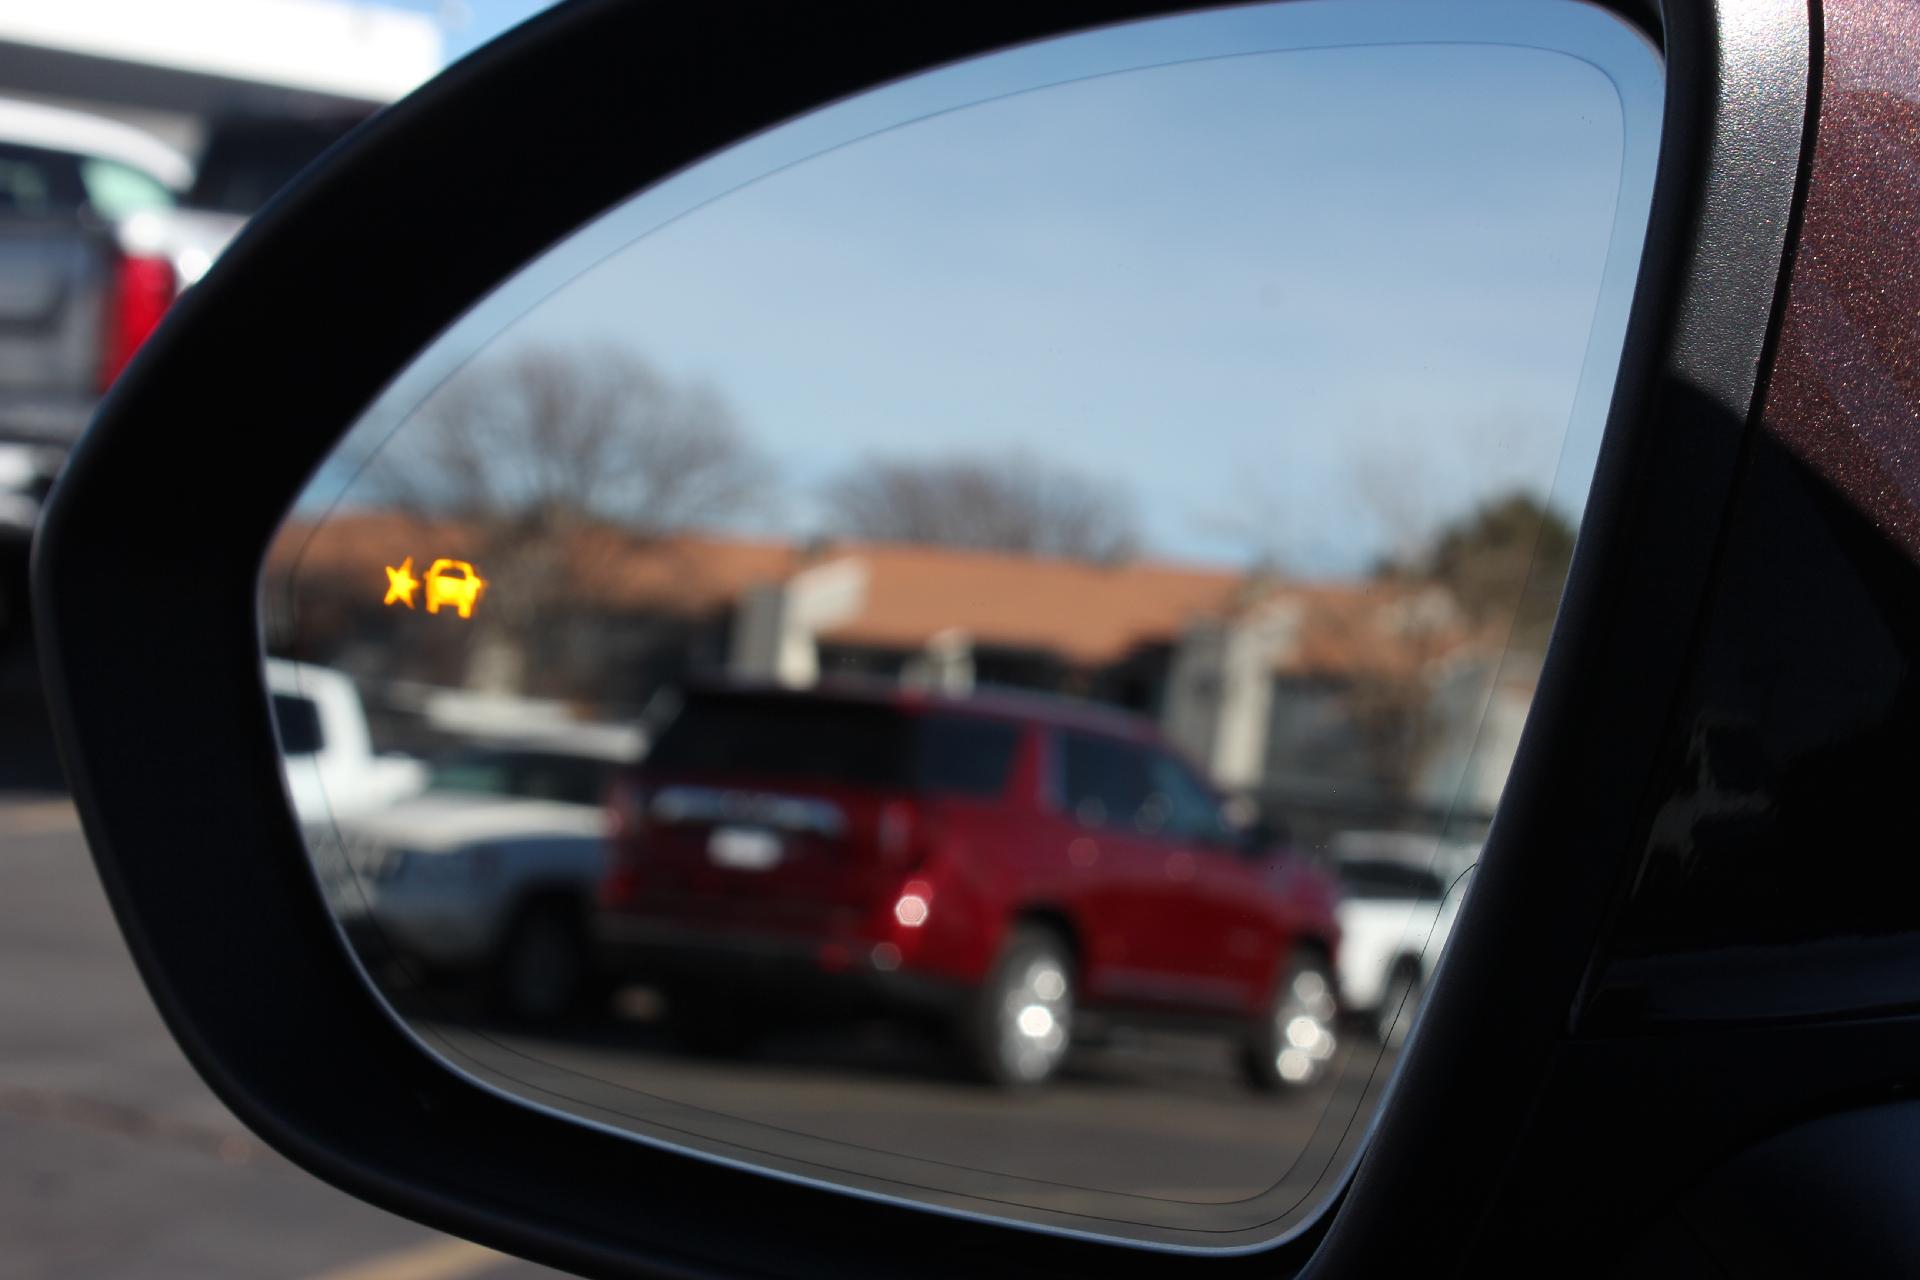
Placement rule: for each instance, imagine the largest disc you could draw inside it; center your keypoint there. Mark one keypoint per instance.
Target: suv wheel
(1291, 1047)
(543, 969)
(1022, 1021)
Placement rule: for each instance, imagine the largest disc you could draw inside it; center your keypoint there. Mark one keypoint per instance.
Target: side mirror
(749, 180)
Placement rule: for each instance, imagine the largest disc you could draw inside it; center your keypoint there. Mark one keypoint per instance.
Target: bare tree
(1013, 503)
(553, 437)
(529, 454)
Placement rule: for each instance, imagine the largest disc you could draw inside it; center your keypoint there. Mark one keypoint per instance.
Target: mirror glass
(965, 647)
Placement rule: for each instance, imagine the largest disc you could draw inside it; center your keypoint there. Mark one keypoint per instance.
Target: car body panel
(1821, 569)
(440, 875)
(1403, 913)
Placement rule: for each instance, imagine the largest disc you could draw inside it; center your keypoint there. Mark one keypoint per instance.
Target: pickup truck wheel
(543, 970)
(1021, 1023)
(1292, 1046)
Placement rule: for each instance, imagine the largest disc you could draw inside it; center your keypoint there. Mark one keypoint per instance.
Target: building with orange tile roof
(1257, 677)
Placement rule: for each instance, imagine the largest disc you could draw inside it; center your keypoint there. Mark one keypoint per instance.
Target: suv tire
(1292, 1046)
(543, 970)
(1021, 1022)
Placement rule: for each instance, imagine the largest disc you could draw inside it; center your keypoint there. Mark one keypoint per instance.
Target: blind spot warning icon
(451, 584)
(455, 583)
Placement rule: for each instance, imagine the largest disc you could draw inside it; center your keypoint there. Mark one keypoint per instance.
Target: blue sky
(465, 24)
(1302, 300)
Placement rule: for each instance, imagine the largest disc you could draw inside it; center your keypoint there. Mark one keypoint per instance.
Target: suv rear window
(852, 743)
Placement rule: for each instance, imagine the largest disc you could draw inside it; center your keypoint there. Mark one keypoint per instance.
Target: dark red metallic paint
(1844, 394)
(1791, 760)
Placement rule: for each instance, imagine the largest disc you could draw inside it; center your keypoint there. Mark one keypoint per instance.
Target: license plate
(743, 848)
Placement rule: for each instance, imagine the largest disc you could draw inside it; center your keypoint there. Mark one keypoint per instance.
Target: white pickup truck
(482, 865)
(1400, 892)
(95, 244)
(326, 750)
(101, 228)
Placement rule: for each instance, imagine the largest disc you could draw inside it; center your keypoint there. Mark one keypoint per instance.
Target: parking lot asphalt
(116, 1162)
(1159, 1117)
(120, 1163)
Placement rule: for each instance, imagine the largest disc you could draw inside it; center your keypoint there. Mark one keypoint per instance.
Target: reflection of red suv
(1004, 860)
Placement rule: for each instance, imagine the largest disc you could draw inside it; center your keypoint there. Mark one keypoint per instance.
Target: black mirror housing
(204, 863)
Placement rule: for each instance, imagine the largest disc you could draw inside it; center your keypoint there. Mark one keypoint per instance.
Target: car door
(1234, 929)
(1124, 906)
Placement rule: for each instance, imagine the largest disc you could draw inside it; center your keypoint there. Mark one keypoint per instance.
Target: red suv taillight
(914, 904)
(626, 824)
(626, 810)
(139, 294)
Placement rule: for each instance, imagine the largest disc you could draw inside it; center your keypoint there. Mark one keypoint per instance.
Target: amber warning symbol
(448, 583)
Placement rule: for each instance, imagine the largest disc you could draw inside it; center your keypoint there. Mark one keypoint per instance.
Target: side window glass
(116, 191)
(582, 782)
(1103, 782)
(1192, 809)
(299, 721)
(37, 184)
(23, 189)
(966, 755)
(562, 778)
(541, 779)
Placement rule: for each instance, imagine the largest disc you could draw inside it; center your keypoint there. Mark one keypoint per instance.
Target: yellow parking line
(434, 1260)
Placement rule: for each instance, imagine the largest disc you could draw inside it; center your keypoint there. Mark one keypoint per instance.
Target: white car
(489, 872)
(1400, 893)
